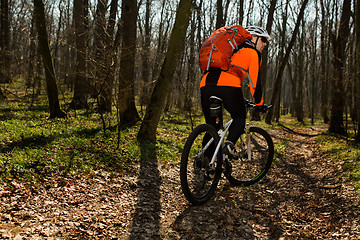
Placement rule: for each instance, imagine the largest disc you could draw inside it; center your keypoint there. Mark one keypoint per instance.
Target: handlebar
(263, 108)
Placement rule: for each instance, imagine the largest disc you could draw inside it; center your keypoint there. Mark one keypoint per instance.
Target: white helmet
(258, 31)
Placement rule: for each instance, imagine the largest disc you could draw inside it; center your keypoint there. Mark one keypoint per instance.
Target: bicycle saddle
(215, 100)
(215, 106)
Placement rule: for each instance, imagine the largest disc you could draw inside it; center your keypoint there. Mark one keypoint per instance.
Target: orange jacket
(244, 63)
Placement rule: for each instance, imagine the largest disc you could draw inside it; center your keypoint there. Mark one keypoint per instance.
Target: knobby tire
(245, 172)
(198, 179)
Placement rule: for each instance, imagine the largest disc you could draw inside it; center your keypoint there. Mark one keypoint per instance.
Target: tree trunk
(241, 12)
(225, 15)
(300, 78)
(176, 44)
(4, 43)
(56, 44)
(219, 14)
(264, 65)
(314, 78)
(126, 95)
(199, 25)
(146, 74)
(191, 74)
(67, 54)
(357, 97)
(324, 85)
(251, 6)
(276, 94)
(282, 49)
(32, 55)
(105, 93)
(337, 93)
(104, 52)
(81, 85)
(51, 86)
(99, 54)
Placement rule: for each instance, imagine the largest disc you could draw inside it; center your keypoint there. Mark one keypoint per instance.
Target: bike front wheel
(198, 177)
(254, 160)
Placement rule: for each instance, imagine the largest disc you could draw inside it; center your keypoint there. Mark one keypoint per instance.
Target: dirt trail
(302, 197)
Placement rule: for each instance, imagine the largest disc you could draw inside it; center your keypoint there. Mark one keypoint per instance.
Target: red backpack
(217, 49)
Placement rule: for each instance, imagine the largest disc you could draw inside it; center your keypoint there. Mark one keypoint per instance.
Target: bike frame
(222, 133)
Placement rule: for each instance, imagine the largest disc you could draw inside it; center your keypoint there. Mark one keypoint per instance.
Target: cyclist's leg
(234, 103)
(206, 93)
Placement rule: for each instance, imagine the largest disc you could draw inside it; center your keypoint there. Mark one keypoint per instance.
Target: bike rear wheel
(198, 179)
(245, 171)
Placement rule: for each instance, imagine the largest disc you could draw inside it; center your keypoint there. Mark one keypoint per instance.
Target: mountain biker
(226, 85)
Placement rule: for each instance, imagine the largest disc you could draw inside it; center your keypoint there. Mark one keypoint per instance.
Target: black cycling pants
(233, 101)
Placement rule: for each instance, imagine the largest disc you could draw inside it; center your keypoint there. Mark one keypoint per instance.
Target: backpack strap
(247, 74)
(249, 44)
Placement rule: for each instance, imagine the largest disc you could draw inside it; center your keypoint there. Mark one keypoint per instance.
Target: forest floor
(302, 197)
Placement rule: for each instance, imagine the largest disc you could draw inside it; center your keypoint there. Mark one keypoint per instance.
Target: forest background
(134, 62)
(99, 96)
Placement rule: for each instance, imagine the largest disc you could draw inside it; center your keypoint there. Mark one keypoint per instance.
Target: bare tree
(4, 42)
(106, 88)
(323, 78)
(241, 12)
(337, 93)
(276, 93)
(146, 46)
(264, 65)
(81, 85)
(104, 54)
(314, 78)
(270, 20)
(126, 95)
(70, 37)
(157, 102)
(357, 36)
(188, 86)
(4, 45)
(299, 78)
(51, 86)
(220, 14)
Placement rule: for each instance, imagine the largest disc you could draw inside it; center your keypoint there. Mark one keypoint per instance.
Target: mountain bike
(203, 161)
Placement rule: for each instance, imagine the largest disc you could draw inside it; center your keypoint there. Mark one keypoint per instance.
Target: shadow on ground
(146, 219)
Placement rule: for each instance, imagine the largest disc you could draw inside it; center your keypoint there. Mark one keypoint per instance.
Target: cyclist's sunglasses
(264, 39)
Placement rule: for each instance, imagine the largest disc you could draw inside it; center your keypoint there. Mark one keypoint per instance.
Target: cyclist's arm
(247, 59)
(255, 83)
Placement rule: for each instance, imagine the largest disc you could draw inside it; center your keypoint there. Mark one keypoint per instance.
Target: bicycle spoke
(198, 179)
(247, 171)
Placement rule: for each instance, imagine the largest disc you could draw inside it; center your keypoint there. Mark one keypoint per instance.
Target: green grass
(345, 152)
(280, 148)
(33, 147)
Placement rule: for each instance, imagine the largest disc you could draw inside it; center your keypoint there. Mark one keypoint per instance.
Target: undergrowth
(33, 147)
(345, 152)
